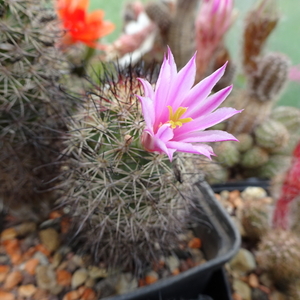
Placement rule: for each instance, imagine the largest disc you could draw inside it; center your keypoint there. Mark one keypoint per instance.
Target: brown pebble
(236, 296)
(27, 290)
(25, 228)
(8, 234)
(233, 195)
(6, 295)
(88, 294)
(72, 295)
(50, 239)
(195, 243)
(12, 280)
(40, 294)
(4, 269)
(31, 265)
(63, 277)
(253, 281)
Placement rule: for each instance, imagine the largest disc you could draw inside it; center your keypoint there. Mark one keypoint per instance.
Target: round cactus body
(271, 135)
(279, 255)
(245, 142)
(288, 116)
(256, 218)
(128, 201)
(270, 78)
(254, 157)
(227, 153)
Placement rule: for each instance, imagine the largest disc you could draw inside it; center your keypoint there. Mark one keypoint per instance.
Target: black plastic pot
(221, 241)
(241, 185)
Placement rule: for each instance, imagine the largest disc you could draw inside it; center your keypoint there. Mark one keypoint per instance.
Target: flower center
(174, 118)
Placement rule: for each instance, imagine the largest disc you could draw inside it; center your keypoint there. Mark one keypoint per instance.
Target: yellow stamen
(174, 118)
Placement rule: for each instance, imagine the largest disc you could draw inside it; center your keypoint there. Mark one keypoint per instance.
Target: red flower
(80, 25)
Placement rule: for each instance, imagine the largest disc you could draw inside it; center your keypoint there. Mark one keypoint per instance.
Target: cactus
(271, 135)
(255, 218)
(276, 164)
(127, 201)
(245, 142)
(288, 116)
(279, 255)
(227, 154)
(259, 24)
(181, 33)
(33, 108)
(266, 83)
(254, 157)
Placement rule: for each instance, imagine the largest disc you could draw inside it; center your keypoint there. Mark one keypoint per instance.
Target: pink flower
(177, 114)
(213, 20)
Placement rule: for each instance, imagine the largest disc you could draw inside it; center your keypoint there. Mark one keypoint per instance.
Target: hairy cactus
(266, 83)
(33, 108)
(279, 255)
(127, 200)
(259, 24)
(271, 135)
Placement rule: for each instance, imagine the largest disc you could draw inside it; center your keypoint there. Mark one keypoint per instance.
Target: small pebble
(253, 281)
(12, 280)
(25, 228)
(8, 234)
(27, 290)
(79, 277)
(46, 277)
(95, 272)
(50, 239)
(6, 295)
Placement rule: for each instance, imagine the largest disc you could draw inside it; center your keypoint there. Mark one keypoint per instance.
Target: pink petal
(165, 133)
(148, 111)
(190, 148)
(211, 103)
(209, 120)
(148, 90)
(182, 84)
(205, 136)
(201, 90)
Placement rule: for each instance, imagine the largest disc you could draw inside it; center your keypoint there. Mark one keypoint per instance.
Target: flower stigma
(174, 118)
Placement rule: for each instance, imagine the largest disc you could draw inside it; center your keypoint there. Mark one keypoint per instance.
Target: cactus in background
(279, 255)
(271, 135)
(33, 108)
(255, 217)
(227, 153)
(260, 22)
(254, 157)
(181, 33)
(268, 81)
(264, 88)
